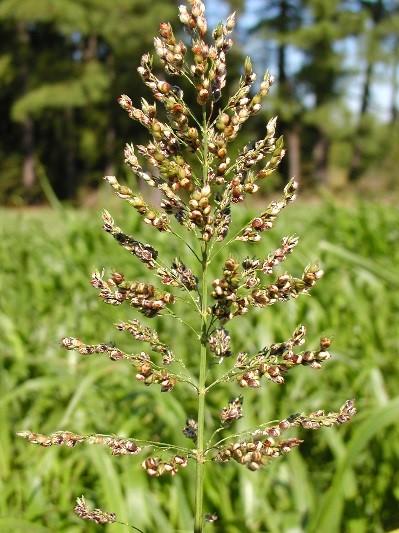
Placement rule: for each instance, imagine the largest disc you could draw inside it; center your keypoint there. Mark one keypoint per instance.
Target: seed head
(95, 515)
(219, 343)
(232, 412)
(190, 429)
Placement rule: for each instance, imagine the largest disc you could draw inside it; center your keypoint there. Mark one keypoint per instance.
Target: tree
(378, 45)
(63, 73)
(304, 35)
(328, 24)
(279, 21)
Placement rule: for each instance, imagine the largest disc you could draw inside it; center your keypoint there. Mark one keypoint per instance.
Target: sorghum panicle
(188, 159)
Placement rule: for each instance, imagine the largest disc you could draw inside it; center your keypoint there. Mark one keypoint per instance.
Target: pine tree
(279, 21)
(378, 45)
(321, 74)
(65, 55)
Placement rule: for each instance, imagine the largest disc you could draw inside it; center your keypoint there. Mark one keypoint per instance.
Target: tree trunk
(356, 161)
(365, 102)
(282, 28)
(294, 152)
(28, 165)
(90, 49)
(320, 160)
(355, 168)
(110, 134)
(28, 177)
(110, 137)
(283, 89)
(395, 86)
(70, 154)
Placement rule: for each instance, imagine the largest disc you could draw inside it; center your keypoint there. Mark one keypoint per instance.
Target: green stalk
(199, 479)
(200, 471)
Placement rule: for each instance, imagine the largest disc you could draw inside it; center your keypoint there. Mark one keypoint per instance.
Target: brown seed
(117, 278)
(164, 87)
(257, 223)
(192, 133)
(325, 343)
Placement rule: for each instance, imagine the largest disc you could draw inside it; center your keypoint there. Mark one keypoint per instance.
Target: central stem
(199, 482)
(200, 471)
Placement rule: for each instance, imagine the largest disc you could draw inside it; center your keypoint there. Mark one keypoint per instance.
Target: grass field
(340, 480)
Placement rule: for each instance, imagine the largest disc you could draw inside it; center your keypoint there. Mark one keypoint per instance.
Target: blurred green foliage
(340, 480)
(63, 64)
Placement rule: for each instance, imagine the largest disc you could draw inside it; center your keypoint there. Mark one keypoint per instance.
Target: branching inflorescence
(188, 155)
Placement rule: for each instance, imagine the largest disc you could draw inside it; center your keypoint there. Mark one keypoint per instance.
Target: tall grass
(342, 480)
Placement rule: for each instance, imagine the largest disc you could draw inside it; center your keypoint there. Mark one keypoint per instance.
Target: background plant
(41, 389)
(199, 184)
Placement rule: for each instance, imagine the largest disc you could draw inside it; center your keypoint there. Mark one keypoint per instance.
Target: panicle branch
(170, 51)
(147, 372)
(160, 132)
(179, 275)
(253, 266)
(143, 296)
(259, 451)
(232, 412)
(146, 253)
(172, 98)
(278, 256)
(117, 445)
(155, 467)
(265, 221)
(254, 455)
(286, 287)
(246, 175)
(98, 516)
(151, 216)
(220, 343)
(174, 173)
(275, 361)
(146, 334)
(230, 292)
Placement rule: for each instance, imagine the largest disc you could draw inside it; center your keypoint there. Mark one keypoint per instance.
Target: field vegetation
(342, 480)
